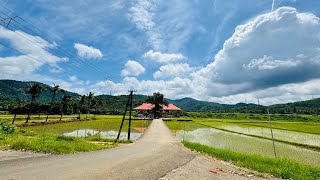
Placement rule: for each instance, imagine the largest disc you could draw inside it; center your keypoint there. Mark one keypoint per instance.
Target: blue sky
(215, 50)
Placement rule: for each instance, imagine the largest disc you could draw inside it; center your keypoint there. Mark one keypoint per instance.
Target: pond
(242, 143)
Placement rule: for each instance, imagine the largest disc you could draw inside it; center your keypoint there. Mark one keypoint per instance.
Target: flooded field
(105, 126)
(252, 145)
(284, 135)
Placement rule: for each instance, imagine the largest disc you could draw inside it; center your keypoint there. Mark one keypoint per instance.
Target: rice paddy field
(298, 141)
(107, 126)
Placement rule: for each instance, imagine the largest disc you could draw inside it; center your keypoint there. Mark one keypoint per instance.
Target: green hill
(190, 104)
(14, 90)
(11, 90)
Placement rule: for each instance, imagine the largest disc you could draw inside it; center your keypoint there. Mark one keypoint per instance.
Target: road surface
(157, 154)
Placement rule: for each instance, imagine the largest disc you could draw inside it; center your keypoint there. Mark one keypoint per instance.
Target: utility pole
(129, 103)
(131, 99)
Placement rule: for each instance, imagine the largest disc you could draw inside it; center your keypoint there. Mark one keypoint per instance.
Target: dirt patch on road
(141, 130)
(202, 167)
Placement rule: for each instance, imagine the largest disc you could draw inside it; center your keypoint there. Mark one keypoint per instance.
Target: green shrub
(6, 128)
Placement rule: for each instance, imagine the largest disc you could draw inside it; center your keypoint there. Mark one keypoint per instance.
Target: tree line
(82, 105)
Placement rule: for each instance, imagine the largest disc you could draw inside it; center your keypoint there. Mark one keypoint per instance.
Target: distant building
(145, 110)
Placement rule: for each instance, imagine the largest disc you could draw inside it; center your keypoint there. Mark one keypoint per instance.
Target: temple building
(145, 110)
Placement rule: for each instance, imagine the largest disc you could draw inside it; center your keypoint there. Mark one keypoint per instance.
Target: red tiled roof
(148, 106)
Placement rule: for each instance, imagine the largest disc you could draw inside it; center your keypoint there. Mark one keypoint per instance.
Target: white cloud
(169, 70)
(275, 95)
(132, 68)
(270, 50)
(268, 63)
(163, 57)
(87, 52)
(175, 88)
(73, 78)
(34, 55)
(274, 57)
(141, 14)
(76, 80)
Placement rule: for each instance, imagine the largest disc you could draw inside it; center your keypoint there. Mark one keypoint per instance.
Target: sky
(214, 50)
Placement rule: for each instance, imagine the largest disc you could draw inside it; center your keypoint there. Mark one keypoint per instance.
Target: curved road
(153, 156)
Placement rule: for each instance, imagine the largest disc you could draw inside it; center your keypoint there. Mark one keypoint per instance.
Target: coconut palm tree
(90, 98)
(65, 100)
(158, 101)
(35, 91)
(98, 103)
(55, 90)
(20, 101)
(82, 101)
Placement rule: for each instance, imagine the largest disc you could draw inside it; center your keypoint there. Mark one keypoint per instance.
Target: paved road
(153, 156)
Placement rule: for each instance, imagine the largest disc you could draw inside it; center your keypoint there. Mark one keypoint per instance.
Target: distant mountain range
(12, 90)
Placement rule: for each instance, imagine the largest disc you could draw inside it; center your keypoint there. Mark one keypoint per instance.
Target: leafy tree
(55, 89)
(34, 90)
(158, 101)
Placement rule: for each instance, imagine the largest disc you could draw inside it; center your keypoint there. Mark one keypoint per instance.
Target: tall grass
(279, 167)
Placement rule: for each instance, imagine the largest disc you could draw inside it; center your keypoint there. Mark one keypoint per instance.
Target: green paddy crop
(280, 167)
(242, 136)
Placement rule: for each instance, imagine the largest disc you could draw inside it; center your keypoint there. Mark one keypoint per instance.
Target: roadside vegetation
(50, 138)
(278, 167)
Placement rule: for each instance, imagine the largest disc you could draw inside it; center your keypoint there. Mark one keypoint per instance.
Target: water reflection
(105, 134)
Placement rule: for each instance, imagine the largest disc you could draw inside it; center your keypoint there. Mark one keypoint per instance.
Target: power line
(30, 57)
(65, 51)
(40, 45)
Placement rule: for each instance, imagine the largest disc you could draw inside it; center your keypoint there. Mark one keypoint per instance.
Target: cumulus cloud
(87, 52)
(132, 68)
(170, 70)
(33, 55)
(274, 57)
(175, 88)
(272, 49)
(163, 57)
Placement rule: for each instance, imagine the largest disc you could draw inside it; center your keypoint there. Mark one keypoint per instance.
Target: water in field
(242, 143)
(105, 134)
(107, 128)
(290, 136)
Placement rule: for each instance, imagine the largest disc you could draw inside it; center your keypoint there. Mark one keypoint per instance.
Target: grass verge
(279, 167)
(49, 143)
